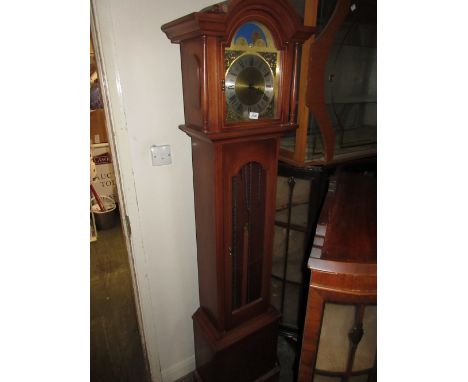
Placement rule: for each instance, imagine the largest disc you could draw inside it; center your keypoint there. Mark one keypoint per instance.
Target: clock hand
(257, 90)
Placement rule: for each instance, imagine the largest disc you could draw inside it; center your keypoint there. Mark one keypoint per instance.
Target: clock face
(252, 71)
(249, 87)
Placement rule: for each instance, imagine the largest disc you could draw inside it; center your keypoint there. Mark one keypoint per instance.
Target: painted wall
(144, 79)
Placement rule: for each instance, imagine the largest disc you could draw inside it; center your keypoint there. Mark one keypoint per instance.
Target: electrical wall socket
(161, 155)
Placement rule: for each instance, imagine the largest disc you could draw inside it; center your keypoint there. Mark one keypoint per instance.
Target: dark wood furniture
(337, 111)
(339, 333)
(300, 194)
(235, 117)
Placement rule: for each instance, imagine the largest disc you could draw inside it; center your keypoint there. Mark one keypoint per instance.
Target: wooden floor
(116, 351)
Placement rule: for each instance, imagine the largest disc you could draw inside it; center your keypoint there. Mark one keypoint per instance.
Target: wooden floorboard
(116, 351)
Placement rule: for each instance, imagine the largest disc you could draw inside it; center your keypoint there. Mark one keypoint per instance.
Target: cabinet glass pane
(299, 215)
(295, 261)
(359, 378)
(314, 149)
(291, 305)
(288, 141)
(291, 284)
(299, 200)
(334, 346)
(324, 11)
(279, 244)
(276, 293)
(292, 196)
(351, 81)
(295, 266)
(290, 312)
(300, 189)
(299, 6)
(367, 348)
(323, 378)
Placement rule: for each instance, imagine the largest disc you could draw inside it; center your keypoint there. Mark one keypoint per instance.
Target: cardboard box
(98, 131)
(104, 183)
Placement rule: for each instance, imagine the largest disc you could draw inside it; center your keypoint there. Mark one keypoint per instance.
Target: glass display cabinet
(340, 332)
(299, 197)
(337, 108)
(337, 131)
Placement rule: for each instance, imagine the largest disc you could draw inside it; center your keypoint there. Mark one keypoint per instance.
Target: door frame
(116, 124)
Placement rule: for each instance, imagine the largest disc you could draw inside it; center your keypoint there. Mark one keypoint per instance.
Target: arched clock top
(272, 33)
(222, 20)
(279, 17)
(254, 34)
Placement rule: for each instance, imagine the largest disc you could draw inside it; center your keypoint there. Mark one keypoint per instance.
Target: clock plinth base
(246, 353)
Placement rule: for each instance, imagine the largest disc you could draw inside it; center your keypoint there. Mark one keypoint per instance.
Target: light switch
(161, 155)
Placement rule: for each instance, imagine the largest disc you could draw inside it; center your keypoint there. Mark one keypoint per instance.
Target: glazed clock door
(249, 171)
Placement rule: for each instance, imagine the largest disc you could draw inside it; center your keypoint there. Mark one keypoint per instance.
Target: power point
(161, 155)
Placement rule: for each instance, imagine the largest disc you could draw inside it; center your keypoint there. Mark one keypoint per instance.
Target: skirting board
(179, 370)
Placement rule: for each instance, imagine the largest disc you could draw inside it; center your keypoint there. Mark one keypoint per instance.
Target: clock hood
(222, 19)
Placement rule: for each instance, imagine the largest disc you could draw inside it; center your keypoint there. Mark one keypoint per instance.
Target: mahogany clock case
(235, 337)
(234, 175)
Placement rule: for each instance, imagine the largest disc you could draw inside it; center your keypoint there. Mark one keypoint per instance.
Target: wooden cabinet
(337, 111)
(339, 341)
(300, 194)
(97, 127)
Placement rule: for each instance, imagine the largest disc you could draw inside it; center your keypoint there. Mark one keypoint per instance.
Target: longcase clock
(239, 72)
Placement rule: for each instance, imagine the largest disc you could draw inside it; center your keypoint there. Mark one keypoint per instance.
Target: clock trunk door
(249, 171)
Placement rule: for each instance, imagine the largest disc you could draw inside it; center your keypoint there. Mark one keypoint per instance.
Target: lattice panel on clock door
(248, 215)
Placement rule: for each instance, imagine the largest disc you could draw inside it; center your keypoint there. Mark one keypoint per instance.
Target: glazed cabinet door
(249, 175)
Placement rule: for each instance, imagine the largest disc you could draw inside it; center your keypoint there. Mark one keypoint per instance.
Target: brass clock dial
(249, 87)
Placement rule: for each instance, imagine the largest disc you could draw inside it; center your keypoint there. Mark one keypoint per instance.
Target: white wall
(144, 79)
